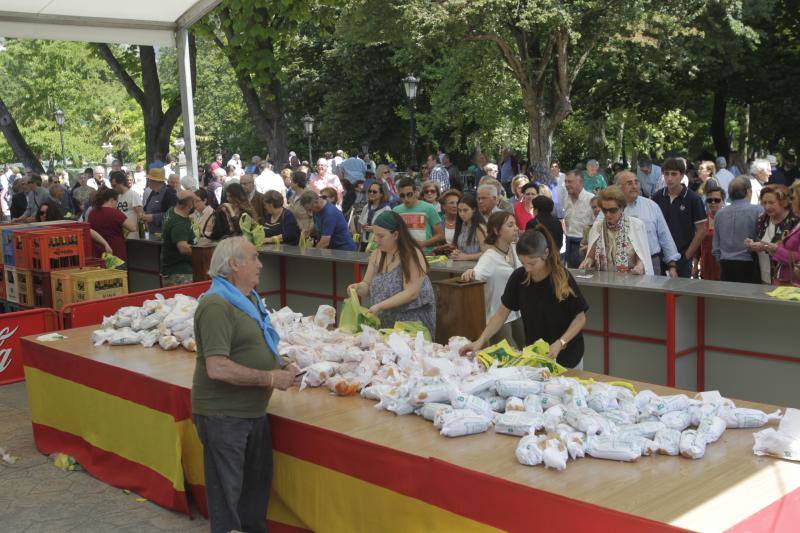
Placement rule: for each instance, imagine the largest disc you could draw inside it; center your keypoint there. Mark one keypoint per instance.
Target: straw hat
(156, 174)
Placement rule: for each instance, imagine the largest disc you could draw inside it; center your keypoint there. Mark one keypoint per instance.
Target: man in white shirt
(139, 179)
(648, 174)
(129, 201)
(267, 180)
(98, 177)
(235, 161)
(576, 204)
(324, 178)
(5, 191)
(723, 176)
(760, 171)
(556, 176)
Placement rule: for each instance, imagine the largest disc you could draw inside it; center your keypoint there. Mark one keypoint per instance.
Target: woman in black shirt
(548, 297)
(281, 225)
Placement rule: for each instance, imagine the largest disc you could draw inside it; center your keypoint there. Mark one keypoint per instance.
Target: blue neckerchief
(225, 289)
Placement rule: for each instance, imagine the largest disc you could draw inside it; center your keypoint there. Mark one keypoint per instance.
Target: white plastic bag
(459, 400)
(712, 428)
(461, 422)
(519, 423)
(679, 420)
(693, 444)
(555, 455)
(514, 404)
(741, 417)
(533, 403)
(517, 387)
(668, 441)
(613, 448)
(530, 450)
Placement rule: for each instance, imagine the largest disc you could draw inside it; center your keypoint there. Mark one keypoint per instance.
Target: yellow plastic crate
(61, 285)
(99, 284)
(24, 287)
(10, 280)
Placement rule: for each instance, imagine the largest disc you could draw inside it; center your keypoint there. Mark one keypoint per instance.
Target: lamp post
(179, 144)
(59, 117)
(410, 85)
(308, 126)
(107, 147)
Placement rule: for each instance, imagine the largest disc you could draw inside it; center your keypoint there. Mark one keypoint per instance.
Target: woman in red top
(109, 222)
(709, 267)
(523, 210)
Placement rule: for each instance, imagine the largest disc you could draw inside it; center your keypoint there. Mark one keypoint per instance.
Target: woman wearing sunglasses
(377, 203)
(430, 194)
(715, 200)
(618, 243)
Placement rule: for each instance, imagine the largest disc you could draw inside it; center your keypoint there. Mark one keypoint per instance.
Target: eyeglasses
(406, 195)
(373, 191)
(610, 210)
(429, 191)
(713, 200)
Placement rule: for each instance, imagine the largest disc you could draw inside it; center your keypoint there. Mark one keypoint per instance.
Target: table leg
(701, 343)
(606, 353)
(670, 304)
(333, 282)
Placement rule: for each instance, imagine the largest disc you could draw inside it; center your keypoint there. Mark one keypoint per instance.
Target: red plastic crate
(25, 287)
(42, 289)
(45, 250)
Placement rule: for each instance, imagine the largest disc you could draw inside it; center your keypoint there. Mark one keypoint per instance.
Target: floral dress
(422, 308)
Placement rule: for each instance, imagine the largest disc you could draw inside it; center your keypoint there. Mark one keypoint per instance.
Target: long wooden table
(340, 465)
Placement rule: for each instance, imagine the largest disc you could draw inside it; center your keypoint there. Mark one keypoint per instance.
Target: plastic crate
(61, 285)
(45, 250)
(10, 281)
(99, 284)
(24, 287)
(2, 283)
(7, 240)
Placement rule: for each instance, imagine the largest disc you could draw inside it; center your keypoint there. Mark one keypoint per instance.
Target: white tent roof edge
(26, 25)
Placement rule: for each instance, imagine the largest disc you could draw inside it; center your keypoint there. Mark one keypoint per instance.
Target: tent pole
(187, 102)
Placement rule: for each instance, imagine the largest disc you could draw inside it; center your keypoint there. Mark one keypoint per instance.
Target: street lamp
(308, 126)
(107, 147)
(410, 85)
(59, 117)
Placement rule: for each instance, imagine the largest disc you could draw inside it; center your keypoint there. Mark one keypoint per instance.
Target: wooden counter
(712, 494)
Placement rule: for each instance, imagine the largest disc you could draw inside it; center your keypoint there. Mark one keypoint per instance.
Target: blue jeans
(237, 456)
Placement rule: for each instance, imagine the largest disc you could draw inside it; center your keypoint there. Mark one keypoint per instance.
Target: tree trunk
(718, 131)
(17, 142)
(745, 135)
(540, 142)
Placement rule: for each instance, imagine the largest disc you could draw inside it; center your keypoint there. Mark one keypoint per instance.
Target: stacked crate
(98, 284)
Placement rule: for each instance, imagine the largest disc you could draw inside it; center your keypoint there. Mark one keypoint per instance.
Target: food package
(741, 417)
(461, 422)
(497, 403)
(517, 387)
(149, 338)
(376, 392)
(660, 405)
(603, 397)
(478, 383)
(168, 342)
(438, 366)
(325, 316)
(575, 395)
(558, 386)
(642, 399)
(125, 336)
(514, 404)
(519, 423)
(668, 441)
(555, 454)
(429, 410)
(530, 450)
(302, 356)
(437, 392)
(619, 417)
(614, 447)
(100, 336)
(354, 315)
(783, 443)
(189, 344)
(521, 372)
(587, 421)
(693, 444)
(575, 441)
(354, 354)
(549, 400)
(533, 403)
(317, 374)
(712, 428)
(459, 400)
(679, 420)
(643, 429)
(553, 417)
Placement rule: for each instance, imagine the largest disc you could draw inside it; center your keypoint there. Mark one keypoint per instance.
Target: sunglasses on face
(609, 210)
(406, 195)
(713, 200)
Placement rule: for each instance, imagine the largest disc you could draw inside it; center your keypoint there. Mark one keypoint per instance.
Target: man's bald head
(185, 201)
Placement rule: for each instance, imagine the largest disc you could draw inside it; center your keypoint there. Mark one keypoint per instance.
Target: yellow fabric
(107, 422)
(326, 500)
(786, 293)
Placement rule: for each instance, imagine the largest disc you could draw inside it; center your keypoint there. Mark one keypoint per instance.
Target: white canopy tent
(143, 22)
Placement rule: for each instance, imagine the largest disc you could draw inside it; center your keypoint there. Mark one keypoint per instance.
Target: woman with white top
(203, 216)
(449, 201)
(494, 268)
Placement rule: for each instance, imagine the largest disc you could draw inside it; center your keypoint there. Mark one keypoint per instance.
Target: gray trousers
(237, 455)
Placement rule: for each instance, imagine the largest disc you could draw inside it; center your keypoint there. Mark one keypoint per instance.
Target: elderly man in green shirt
(177, 238)
(238, 366)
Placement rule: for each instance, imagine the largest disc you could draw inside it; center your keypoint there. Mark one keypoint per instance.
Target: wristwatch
(563, 343)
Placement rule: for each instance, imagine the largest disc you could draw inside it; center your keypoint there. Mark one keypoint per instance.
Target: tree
(158, 124)
(17, 142)
(259, 37)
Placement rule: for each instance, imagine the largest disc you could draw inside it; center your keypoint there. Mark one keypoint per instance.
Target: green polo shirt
(222, 329)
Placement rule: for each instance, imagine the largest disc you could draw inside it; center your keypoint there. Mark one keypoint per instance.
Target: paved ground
(35, 496)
